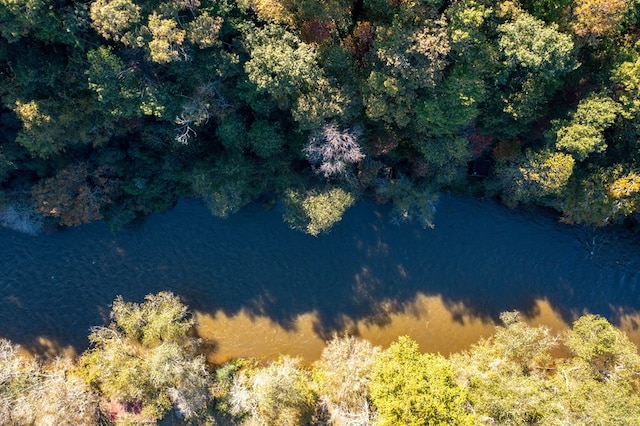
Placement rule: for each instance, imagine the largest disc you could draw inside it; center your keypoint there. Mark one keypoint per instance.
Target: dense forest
(148, 364)
(112, 109)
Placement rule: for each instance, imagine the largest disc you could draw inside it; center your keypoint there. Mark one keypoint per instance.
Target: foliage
(599, 384)
(279, 394)
(225, 100)
(49, 127)
(115, 85)
(535, 57)
(227, 186)
(584, 133)
(447, 156)
(281, 64)
(410, 57)
(32, 393)
(608, 351)
(536, 176)
(603, 196)
(265, 138)
(626, 76)
(581, 399)
(547, 10)
(76, 194)
(146, 356)
(454, 104)
(594, 19)
(505, 374)
(343, 375)
(112, 19)
(40, 19)
(411, 388)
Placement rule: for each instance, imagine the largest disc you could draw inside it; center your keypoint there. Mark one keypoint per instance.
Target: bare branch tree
(331, 151)
(196, 112)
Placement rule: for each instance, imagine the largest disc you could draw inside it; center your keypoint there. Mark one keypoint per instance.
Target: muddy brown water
(261, 289)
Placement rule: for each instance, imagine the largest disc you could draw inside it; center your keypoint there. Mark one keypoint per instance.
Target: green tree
(547, 10)
(609, 352)
(274, 11)
(591, 197)
(167, 40)
(411, 200)
(204, 30)
(408, 57)
(411, 388)
(280, 64)
(147, 356)
(599, 385)
(51, 125)
(454, 104)
(625, 191)
(538, 176)
(446, 157)
(505, 375)
(44, 20)
(232, 133)
(466, 21)
(328, 100)
(584, 133)
(582, 399)
(626, 78)
(116, 87)
(536, 56)
(116, 19)
(228, 185)
(266, 139)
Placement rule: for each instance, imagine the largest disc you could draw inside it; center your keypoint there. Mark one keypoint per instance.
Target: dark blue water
(480, 254)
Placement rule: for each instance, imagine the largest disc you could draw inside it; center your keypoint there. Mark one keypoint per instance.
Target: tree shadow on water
(480, 260)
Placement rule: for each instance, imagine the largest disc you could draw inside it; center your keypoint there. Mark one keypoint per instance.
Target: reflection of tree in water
(603, 246)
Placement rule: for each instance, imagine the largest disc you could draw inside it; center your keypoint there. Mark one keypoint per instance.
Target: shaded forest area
(147, 364)
(111, 109)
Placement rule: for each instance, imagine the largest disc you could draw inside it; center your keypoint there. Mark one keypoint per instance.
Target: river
(260, 289)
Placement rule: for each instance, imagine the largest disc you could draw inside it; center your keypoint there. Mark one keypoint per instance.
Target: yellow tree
(594, 19)
(504, 374)
(415, 389)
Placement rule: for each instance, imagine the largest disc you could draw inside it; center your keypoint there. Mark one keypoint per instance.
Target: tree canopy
(111, 109)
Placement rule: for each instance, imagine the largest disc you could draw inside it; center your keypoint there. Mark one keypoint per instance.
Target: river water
(260, 289)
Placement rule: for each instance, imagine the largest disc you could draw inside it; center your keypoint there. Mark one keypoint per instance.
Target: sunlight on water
(427, 320)
(245, 335)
